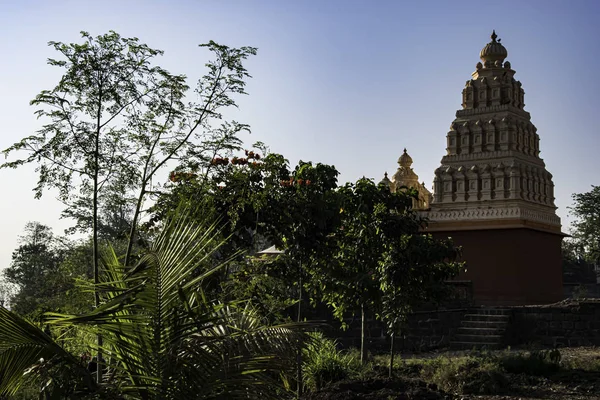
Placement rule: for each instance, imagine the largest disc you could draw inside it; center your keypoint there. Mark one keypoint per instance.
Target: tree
(7, 292)
(114, 120)
(164, 338)
(382, 264)
(263, 202)
(586, 227)
(347, 282)
(578, 267)
(33, 264)
(412, 270)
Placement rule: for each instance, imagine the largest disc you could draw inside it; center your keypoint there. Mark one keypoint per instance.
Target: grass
(477, 373)
(324, 363)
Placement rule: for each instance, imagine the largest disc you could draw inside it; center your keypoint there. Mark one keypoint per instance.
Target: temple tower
(405, 176)
(493, 194)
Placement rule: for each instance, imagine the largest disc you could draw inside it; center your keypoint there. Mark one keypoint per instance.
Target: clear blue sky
(349, 83)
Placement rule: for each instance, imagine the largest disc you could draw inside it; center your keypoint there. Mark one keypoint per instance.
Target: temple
(493, 194)
(406, 177)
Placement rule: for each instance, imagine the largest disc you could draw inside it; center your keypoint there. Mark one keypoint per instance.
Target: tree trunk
(132, 230)
(299, 319)
(95, 254)
(363, 344)
(391, 371)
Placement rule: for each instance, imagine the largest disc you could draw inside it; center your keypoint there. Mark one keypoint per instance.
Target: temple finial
(494, 36)
(405, 150)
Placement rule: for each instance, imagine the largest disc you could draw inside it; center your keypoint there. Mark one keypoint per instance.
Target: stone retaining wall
(423, 331)
(569, 323)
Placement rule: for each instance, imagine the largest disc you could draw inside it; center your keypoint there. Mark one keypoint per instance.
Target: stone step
(481, 331)
(484, 324)
(486, 317)
(475, 345)
(493, 311)
(498, 339)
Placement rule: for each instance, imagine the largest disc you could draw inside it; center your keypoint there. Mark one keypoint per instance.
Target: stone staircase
(482, 328)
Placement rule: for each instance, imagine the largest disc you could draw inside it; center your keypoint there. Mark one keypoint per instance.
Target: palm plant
(163, 338)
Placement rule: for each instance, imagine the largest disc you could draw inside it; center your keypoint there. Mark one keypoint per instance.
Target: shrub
(468, 375)
(324, 363)
(537, 363)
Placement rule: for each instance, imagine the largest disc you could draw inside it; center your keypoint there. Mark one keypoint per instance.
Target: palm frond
(163, 338)
(22, 346)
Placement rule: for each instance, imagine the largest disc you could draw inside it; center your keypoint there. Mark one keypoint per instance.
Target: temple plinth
(493, 193)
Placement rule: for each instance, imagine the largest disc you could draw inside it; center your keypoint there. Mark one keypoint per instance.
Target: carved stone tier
(493, 194)
(492, 166)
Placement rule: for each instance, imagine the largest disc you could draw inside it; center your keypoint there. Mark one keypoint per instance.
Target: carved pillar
(469, 93)
(465, 142)
(476, 133)
(495, 94)
(490, 136)
(474, 188)
(503, 134)
(515, 181)
(448, 190)
(537, 193)
(486, 183)
(461, 184)
(527, 184)
(482, 95)
(437, 188)
(520, 135)
(499, 182)
(452, 140)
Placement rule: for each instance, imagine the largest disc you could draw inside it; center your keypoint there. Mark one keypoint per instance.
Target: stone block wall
(423, 331)
(569, 323)
(581, 290)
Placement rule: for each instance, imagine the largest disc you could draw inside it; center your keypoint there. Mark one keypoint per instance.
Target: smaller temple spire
(386, 181)
(494, 36)
(405, 160)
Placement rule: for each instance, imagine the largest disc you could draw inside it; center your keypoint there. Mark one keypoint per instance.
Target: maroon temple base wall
(516, 266)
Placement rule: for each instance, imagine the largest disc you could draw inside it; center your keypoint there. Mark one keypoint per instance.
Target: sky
(342, 82)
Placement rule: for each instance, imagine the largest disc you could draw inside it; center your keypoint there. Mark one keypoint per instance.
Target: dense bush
(324, 363)
(468, 375)
(536, 363)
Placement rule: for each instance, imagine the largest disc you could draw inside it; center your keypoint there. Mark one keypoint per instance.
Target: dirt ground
(579, 379)
(580, 382)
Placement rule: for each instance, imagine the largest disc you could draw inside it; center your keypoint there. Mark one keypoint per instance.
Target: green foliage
(467, 375)
(43, 274)
(586, 227)
(262, 203)
(34, 267)
(480, 372)
(413, 271)
(116, 118)
(323, 363)
(381, 262)
(536, 363)
(349, 280)
(577, 266)
(162, 336)
(267, 283)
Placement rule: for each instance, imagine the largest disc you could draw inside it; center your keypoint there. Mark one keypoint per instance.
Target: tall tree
(115, 119)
